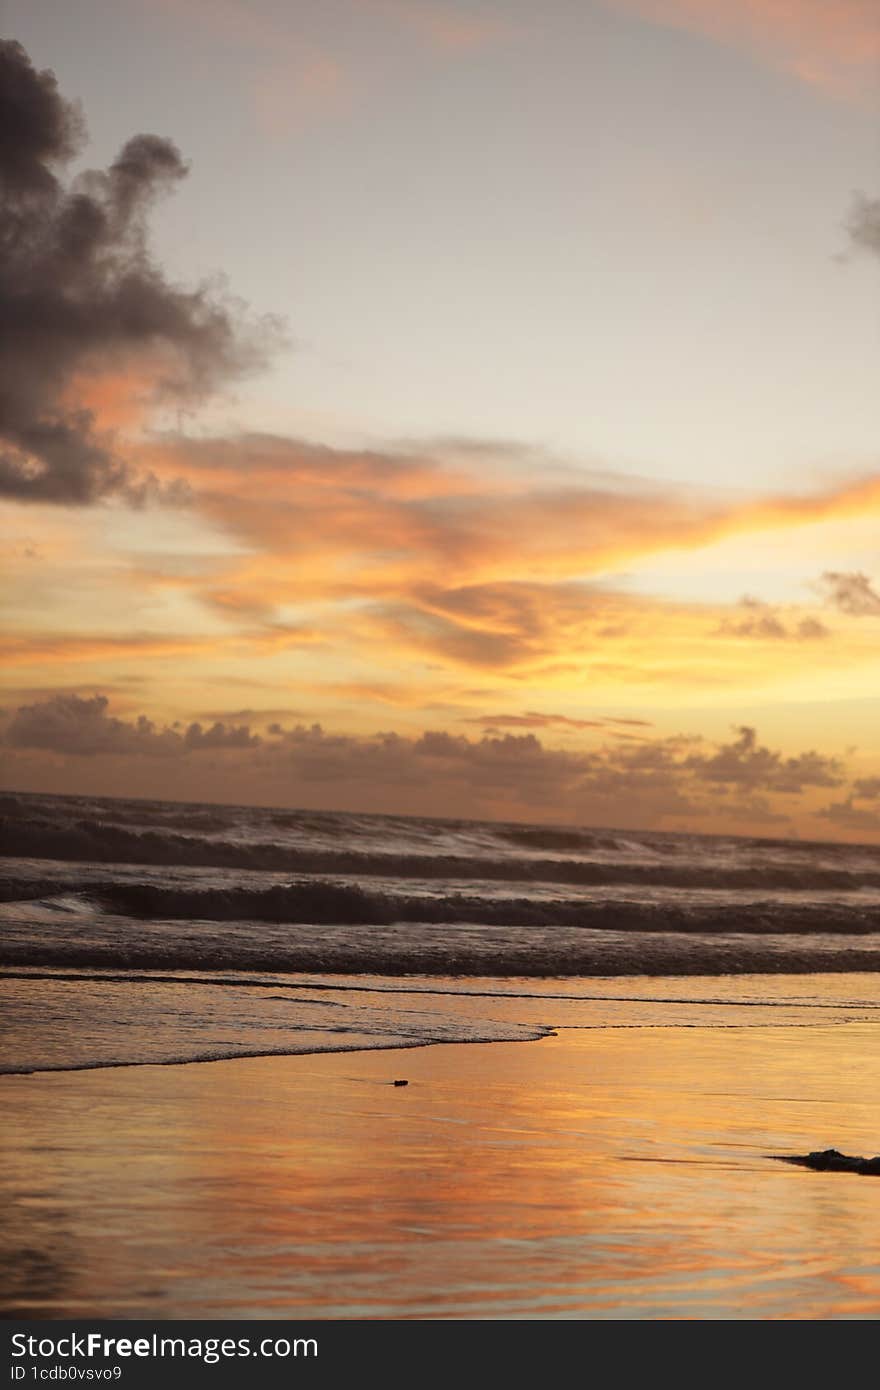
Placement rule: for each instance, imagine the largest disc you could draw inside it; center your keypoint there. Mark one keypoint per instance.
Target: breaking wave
(144, 885)
(97, 842)
(325, 903)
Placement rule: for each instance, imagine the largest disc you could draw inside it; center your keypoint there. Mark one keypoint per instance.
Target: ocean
(148, 931)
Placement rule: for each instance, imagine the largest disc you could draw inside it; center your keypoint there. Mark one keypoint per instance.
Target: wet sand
(603, 1173)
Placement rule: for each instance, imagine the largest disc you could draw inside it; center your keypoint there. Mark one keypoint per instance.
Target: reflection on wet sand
(38, 1256)
(615, 1173)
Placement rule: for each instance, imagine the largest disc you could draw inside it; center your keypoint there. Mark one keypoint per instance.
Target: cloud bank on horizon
(459, 582)
(501, 774)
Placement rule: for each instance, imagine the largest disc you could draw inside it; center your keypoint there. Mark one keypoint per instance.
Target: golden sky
(230, 575)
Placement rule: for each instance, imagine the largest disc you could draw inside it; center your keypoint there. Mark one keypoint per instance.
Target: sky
(457, 409)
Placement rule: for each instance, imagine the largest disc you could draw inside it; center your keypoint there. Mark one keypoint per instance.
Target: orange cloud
(531, 719)
(830, 44)
(538, 719)
(439, 558)
(345, 566)
(119, 400)
(291, 79)
(444, 28)
(56, 648)
(385, 520)
(287, 96)
(53, 648)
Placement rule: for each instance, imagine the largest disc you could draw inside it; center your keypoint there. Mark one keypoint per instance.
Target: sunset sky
(467, 409)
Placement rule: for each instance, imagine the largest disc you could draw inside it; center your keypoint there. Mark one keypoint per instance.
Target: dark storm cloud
(80, 296)
(82, 727)
(38, 128)
(851, 593)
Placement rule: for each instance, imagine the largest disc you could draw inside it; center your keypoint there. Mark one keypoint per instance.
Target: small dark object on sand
(400, 1083)
(833, 1161)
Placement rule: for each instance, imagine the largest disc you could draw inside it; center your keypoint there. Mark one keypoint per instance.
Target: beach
(439, 768)
(618, 1169)
(610, 1040)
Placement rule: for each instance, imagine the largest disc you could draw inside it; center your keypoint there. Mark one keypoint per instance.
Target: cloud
(833, 45)
(289, 79)
(42, 649)
(851, 593)
(71, 724)
(30, 693)
(53, 648)
(251, 715)
(38, 129)
(538, 719)
(808, 629)
(407, 513)
(846, 816)
(291, 92)
(82, 727)
(501, 773)
(867, 788)
(863, 224)
(441, 546)
(745, 764)
(755, 810)
(444, 28)
(531, 719)
(458, 554)
(219, 735)
(406, 693)
(763, 622)
(81, 299)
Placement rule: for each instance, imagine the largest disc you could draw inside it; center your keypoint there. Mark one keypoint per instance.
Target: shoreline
(98, 1020)
(258, 1056)
(501, 1182)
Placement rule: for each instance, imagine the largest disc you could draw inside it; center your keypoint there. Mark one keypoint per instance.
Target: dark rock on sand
(833, 1161)
(400, 1083)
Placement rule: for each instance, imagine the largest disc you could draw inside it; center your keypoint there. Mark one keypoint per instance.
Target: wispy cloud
(48, 648)
(531, 719)
(445, 28)
(833, 45)
(419, 553)
(289, 79)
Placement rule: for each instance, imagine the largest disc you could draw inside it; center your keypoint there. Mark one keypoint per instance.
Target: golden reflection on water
(602, 1173)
